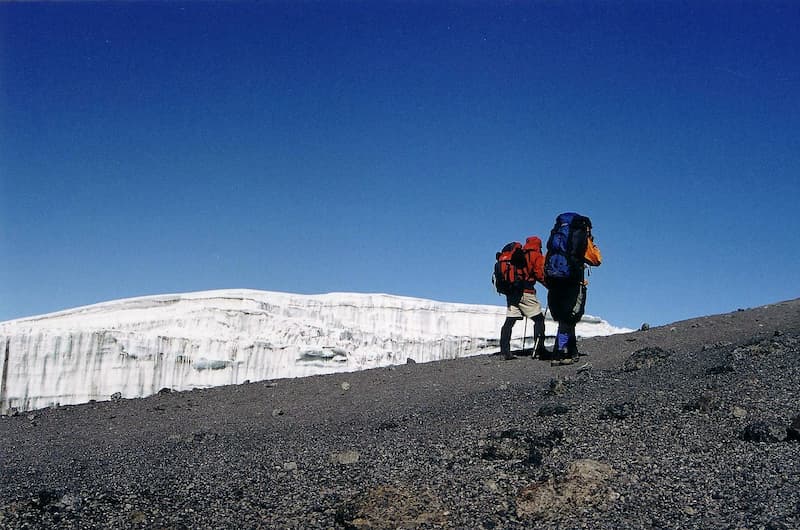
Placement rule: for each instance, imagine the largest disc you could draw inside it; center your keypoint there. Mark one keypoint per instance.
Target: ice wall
(136, 347)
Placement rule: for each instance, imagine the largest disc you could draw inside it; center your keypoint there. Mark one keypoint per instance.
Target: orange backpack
(509, 269)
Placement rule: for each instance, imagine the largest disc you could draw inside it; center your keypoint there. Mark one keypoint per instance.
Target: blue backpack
(566, 247)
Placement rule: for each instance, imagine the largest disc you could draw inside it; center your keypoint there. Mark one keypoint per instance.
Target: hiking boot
(572, 351)
(556, 357)
(563, 362)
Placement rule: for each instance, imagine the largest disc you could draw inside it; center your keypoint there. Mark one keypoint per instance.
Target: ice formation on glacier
(137, 346)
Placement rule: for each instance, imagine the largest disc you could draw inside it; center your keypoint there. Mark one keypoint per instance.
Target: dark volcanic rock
(645, 358)
(524, 447)
(762, 431)
(793, 431)
(704, 403)
(617, 411)
(553, 410)
(720, 369)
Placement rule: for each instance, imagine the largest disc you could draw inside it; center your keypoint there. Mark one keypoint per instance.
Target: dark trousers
(508, 326)
(567, 301)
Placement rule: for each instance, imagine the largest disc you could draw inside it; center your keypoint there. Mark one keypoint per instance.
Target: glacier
(135, 347)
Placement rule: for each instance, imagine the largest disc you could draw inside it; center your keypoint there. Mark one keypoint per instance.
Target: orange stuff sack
(592, 255)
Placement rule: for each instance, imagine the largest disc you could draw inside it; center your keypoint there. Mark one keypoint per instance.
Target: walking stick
(524, 334)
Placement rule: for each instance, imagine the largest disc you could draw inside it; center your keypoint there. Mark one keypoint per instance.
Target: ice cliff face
(135, 347)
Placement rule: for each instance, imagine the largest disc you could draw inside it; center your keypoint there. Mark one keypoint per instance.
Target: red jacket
(534, 270)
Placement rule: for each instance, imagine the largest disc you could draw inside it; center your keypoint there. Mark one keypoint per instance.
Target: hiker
(570, 248)
(521, 300)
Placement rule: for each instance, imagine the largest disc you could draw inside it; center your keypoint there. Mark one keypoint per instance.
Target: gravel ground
(691, 425)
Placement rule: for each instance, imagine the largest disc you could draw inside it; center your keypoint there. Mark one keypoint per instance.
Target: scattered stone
(277, 412)
(765, 347)
(549, 440)
(739, 412)
(290, 466)
(645, 326)
(165, 390)
(780, 524)
(704, 403)
(793, 431)
(138, 517)
(556, 387)
(553, 410)
(345, 386)
(720, 369)
(392, 507)
(617, 411)
(584, 485)
(388, 425)
(510, 444)
(409, 360)
(346, 458)
(45, 498)
(71, 502)
(519, 446)
(761, 431)
(116, 396)
(644, 358)
(201, 437)
(716, 345)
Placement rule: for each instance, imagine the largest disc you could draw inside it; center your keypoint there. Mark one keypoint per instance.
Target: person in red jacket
(523, 303)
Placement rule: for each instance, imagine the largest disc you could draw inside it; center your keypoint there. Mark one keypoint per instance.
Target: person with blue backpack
(570, 248)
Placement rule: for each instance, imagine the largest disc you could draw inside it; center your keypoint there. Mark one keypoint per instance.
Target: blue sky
(395, 146)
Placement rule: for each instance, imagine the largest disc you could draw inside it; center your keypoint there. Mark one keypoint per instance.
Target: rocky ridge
(690, 425)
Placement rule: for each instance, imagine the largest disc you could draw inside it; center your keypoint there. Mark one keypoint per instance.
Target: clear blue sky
(395, 146)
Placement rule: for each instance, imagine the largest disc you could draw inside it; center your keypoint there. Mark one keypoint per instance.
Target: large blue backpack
(566, 247)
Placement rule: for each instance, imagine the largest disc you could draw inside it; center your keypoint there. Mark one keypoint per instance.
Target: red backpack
(509, 269)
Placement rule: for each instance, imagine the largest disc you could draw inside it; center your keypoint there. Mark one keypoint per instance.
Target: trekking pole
(524, 334)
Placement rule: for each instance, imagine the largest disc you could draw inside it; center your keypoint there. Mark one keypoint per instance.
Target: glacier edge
(137, 346)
